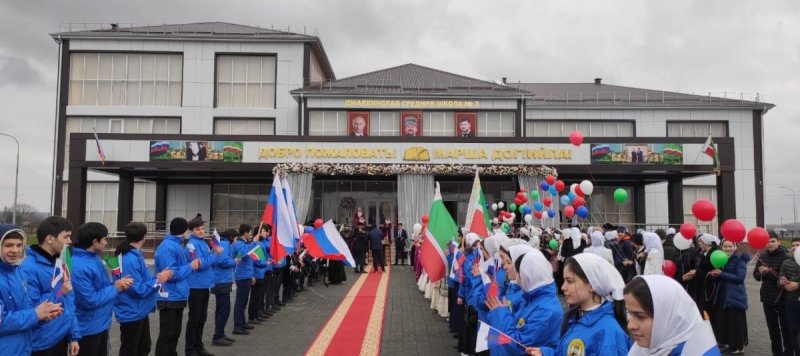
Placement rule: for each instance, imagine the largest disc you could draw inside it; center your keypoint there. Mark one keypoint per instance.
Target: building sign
(637, 153)
(218, 151)
(411, 103)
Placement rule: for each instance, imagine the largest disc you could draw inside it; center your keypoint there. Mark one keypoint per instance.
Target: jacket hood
(6, 229)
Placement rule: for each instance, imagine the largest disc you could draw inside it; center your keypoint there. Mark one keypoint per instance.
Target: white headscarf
(512, 242)
(492, 244)
(652, 242)
(708, 239)
(472, 238)
(675, 316)
(518, 250)
(534, 241)
(535, 271)
(576, 237)
(603, 277)
(598, 248)
(611, 235)
(671, 231)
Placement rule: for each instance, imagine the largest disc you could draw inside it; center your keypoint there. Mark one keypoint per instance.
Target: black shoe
(248, 327)
(281, 304)
(205, 352)
(263, 315)
(261, 320)
(242, 331)
(229, 339)
(221, 342)
(254, 321)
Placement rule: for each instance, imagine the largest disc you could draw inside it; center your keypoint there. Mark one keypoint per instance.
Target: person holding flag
(469, 324)
(258, 289)
(269, 279)
(48, 280)
(223, 285)
(200, 282)
(133, 306)
(243, 274)
(94, 292)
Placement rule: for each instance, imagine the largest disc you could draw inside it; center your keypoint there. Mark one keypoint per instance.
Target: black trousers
(267, 297)
(96, 344)
(277, 277)
(793, 321)
(59, 349)
(778, 326)
(256, 299)
(733, 328)
(169, 330)
(400, 254)
(221, 313)
(413, 254)
(198, 313)
(135, 338)
(240, 305)
(361, 260)
(456, 311)
(377, 260)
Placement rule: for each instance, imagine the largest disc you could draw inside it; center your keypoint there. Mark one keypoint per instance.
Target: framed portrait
(411, 123)
(358, 123)
(466, 124)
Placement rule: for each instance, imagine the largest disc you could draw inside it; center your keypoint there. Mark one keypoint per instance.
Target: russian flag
(326, 242)
(215, 239)
(277, 216)
(489, 337)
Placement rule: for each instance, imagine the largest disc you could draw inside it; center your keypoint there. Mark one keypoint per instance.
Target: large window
(144, 201)
(697, 129)
(236, 204)
(690, 195)
(120, 125)
(245, 81)
(125, 79)
(589, 128)
(244, 126)
(101, 203)
(327, 123)
(496, 124)
(438, 124)
(384, 123)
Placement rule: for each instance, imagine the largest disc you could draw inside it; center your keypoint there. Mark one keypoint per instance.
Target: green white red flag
(477, 216)
(115, 264)
(710, 149)
(440, 231)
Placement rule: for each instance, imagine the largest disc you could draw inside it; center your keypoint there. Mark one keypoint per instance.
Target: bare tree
(27, 216)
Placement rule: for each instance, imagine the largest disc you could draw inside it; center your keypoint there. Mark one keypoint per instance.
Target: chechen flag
(62, 269)
(477, 216)
(710, 149)
(115, 264)
(440, 231)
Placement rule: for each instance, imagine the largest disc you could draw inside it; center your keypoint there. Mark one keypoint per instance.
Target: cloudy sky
(687, 46)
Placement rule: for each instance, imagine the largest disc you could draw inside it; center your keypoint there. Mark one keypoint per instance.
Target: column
(125, 200)
(675, 200)
(76, 191)
(161, 205)
(639, 205)
(726, 183)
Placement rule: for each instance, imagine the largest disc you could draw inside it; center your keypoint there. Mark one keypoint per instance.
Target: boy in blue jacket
(200, 281)
(243, 274)
(18, 316)
(172, 300)
(258, 289)
(59, 336)
(94, 292)
(132, 307)
(223, 285)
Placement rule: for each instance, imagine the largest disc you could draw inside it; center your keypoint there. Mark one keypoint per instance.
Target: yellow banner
(393, 103)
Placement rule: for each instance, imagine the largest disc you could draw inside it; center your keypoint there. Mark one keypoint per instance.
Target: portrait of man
(465, 124)
(358, 123)
(411, 124)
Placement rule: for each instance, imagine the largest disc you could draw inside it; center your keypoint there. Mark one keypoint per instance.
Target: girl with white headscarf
(654, 251)
(509, 253)
(598, 247)
(469, 326)
(596, 322)
(490, 276)
(663, 320)
(532, 324)
(702, 284)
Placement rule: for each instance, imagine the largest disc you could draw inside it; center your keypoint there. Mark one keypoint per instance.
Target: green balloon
(512, 207)
(506, 228)
(521, 208)
(535, 195)
(553, 244)
(719, 259)
(621, 195)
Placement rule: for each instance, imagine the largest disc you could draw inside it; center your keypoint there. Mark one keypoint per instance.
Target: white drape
(301, 189)
(531, 183)
(414, 196)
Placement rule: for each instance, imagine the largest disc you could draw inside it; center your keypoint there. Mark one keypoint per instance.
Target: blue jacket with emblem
(514, 296)
(94, 292)
(260, 266)
(465, 288)
(17, 311)
(595, 333)
(244, 270)
(37, 269)
(732, 277)
(139, 300)
(169, 254)
(224, 264)
(203, 277)
(536, 323)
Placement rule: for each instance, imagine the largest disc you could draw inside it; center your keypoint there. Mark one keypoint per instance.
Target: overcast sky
(687, 46)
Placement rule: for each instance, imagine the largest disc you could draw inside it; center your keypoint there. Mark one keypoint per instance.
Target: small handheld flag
(215, 239)
(489, 337)
(190, 247)
(257, 254)
(115, 264)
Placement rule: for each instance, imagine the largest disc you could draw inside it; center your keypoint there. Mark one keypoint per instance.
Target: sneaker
(736, 352)
(242, 331)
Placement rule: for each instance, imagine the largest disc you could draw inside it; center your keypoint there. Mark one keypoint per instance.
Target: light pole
(16, 181)
(794, 211)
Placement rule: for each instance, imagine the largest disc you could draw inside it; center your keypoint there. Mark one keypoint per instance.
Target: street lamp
(16, 181)
(794, 211)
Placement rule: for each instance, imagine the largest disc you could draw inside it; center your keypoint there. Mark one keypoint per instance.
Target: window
(327, 123)
(144, 201)
(697, 129)
(438, 124)
(589, 128)
(496, 124)
(245, 81)
(382, 123)
(101, 203)
(125, 79)
(235, 204)
(690, 195)
(119, 125)
(244, 126)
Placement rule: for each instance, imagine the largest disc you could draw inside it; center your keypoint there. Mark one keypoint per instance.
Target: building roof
(410, 80)
(595, 94)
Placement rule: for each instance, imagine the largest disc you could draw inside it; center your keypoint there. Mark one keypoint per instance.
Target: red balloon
(524, 199)
(569, 211)
(758, 237)
(704, 210)
(733, 230)
(559, 185)
(576, 138)
(537, 214)
(578, 191)
(669, 268)
(579, 201)
(318, 223)
(517, 201)
(688, 231)
(520, 195)
(547, 201)
(424, 219)
(550, 179)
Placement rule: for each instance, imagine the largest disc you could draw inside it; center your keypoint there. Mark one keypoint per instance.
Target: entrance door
(380, 210)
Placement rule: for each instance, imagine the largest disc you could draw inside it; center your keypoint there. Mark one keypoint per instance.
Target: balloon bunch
(732, 230)
(574, 202)
(543, 203)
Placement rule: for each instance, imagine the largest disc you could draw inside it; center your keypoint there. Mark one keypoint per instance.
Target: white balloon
(528, 218)
(797, 255)
(494, 206)
(417, 228)
(681, 243)
(513, 216)
(501, 205)
(494, 220)
(587, 187)
(572, 187)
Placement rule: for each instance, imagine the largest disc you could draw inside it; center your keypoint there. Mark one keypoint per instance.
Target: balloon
(559, 185)
(522, 208)
(569, 211)
(578, 191)
(758, 237)
(553, 244)
(528, 218)
(733, 230)
(545, 187)
(550, 179)
(587, 187)
(524, 199)
(553, 191)
(564, 200)
(308, 229)
(704, 210)
(527, 210)
(576, 138)
(688, 230)
(719, 259)
(535, 195)
(571, 196)
(512, 216)
(517, 201)
(520, 195)
(572, 187)
(495, 221)
(669, 268)
(494, 206)
(583, 212)
(621, 195)
(424, 219)
(417, 228)
(512, 206)
(523, 190)
(501, 205)
(537, 205)
(681, 242)
(537, 214)
(547, 201)
(318, 223)
(579, 201)
(551, 213)
(506, 228)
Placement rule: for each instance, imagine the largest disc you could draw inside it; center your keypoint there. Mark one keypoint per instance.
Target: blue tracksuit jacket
(94, 292)
(203, 277)
(169, 254)
(595, 333)
(139, 300)
(537, 323)
(244, 270)
(224, 264)
(17, 311)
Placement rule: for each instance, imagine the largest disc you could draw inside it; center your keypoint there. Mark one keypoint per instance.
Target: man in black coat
(400, 238)
(376, 247)
(360, 247)
(767, 271)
